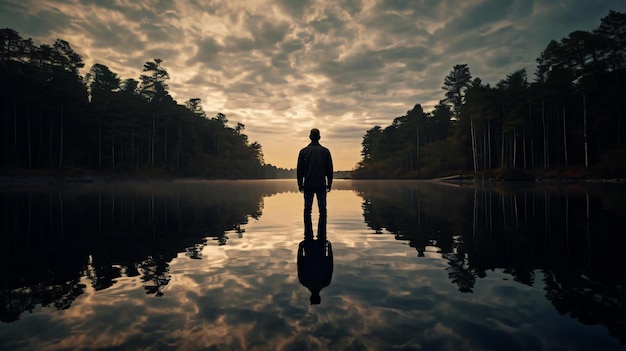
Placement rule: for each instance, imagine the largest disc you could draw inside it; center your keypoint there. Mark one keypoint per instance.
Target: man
(315, 177)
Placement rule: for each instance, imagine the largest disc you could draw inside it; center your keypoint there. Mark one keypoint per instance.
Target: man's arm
(329, 171)
(300, 172)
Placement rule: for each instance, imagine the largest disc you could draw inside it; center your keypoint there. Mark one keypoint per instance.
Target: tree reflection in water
(104, 232)
(56, 243)
(572, 234)
(195, 251)
(155, 273)
(460, 271)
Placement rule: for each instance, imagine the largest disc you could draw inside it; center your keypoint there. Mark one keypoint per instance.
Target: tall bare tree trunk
(152, 140)
(489, 141)
(532, 139)
(545, 134)
(30, 160)
(417, 152)
(6, 138)
(502, 146)
(475, 219)
(484, 150)
(619, 124)
(585, 130)
(132, 148)
(122, 148)
(61, 142)
(15, 129)
(524, 147)
(50, 134)
(178, 146)
(587, 229)
(473, 133)
(547, 222)
(517, 226)
(112, 152)
(514, 145)
(567, 222)
(100, 145)
(40, 140)
(62, 236)
(165, 147)
(564, 136)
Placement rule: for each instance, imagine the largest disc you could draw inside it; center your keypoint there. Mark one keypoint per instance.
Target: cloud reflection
(246, 294)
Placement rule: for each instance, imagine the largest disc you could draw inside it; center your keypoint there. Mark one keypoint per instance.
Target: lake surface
(214, 265)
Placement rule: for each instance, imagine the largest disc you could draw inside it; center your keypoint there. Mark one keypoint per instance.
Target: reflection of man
(315, 266)
(315, 177)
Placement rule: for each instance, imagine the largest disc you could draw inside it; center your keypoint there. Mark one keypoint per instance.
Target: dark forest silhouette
(52, 118)
(570, 117)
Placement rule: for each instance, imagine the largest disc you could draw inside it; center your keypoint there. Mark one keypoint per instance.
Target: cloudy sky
(283, 67)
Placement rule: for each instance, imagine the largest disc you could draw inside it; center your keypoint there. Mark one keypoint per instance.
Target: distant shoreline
(457, 179)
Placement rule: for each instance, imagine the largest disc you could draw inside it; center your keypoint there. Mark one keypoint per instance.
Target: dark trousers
(308, 208)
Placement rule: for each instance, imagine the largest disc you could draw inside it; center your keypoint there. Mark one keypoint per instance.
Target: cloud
(281, 67)
(206, 49)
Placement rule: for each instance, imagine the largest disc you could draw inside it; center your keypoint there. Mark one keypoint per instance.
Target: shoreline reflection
(526, 266)
(572, 234)
(107, 231)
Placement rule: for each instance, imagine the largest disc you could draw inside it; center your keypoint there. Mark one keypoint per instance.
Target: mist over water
(213, 264)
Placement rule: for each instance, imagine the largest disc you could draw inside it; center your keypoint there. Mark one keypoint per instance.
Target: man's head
(315, 134)
(315, 298)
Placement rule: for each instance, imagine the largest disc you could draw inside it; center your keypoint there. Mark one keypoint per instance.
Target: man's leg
(321, 224)
(308, 208)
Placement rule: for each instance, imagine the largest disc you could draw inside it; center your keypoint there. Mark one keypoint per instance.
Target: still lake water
(416, 265)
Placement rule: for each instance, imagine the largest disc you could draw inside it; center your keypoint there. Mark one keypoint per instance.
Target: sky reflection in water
(245, 294)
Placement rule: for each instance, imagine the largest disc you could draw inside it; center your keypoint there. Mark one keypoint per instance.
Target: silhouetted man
(315, 177)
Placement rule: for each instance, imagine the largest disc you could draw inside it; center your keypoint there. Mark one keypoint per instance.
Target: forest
(55, 120)
(567, 122)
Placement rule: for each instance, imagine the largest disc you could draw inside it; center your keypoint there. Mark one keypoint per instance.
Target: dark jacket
(315, 264)
(315, 168)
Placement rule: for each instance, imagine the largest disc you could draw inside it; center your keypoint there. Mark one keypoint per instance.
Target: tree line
(55, 119)
(569, 118)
